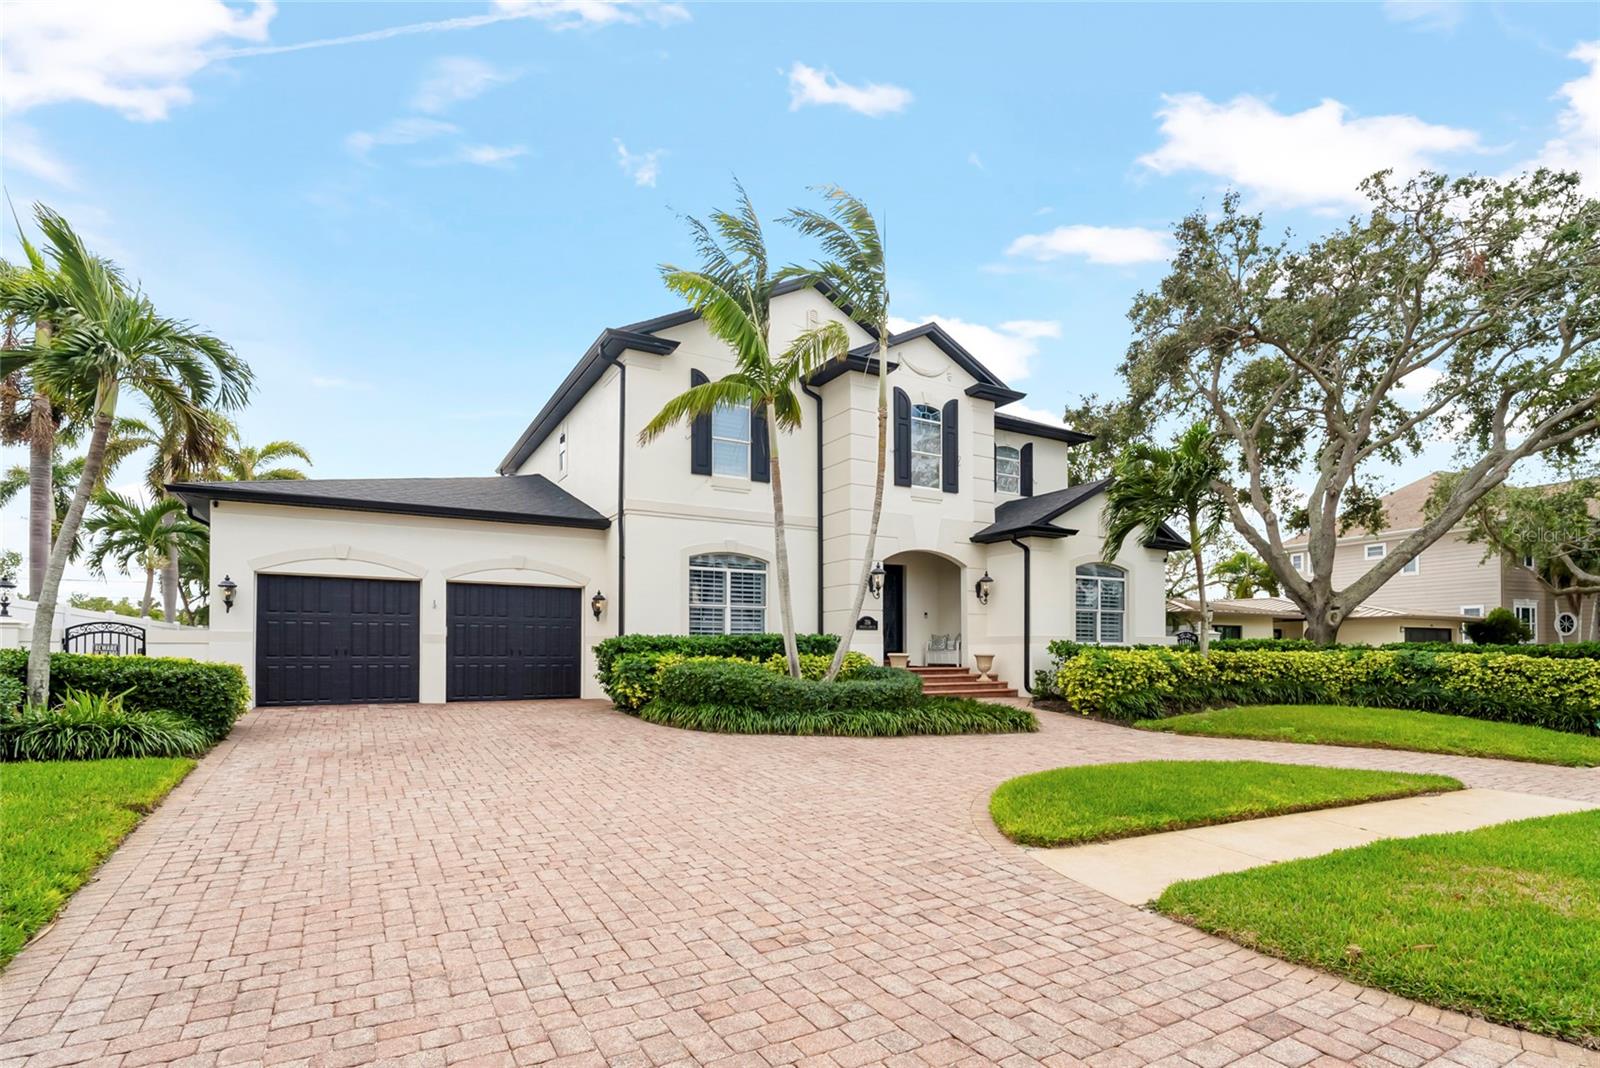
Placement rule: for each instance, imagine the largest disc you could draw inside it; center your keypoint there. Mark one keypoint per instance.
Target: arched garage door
(511, 643)
(335, 641)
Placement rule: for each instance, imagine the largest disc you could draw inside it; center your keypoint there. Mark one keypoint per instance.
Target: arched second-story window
(1007, 469)
(926, 446)
(1100, 604)
(727, 594)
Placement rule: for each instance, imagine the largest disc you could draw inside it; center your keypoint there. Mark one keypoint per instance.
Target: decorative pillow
(937, 642)
(955, 643)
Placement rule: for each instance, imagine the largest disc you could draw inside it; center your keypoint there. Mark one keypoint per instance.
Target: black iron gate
(110, 639)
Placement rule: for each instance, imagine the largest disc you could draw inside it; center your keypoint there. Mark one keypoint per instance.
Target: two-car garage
(333, 641)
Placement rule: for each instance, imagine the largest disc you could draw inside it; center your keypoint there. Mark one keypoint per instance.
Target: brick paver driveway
(559, 883)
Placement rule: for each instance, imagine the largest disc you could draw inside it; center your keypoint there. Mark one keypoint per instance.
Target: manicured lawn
(1503, 921)
(933, 715)
(1388, 728)
(1100, 801)
(58, 821)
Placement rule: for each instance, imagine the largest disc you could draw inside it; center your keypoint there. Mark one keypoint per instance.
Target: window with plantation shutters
(1008, 470)
(727, 594)
(1099, 604)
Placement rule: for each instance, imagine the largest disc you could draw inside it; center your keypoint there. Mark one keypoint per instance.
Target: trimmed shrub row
(1569, 651)
(733, 683)
(934, 715)
(1130, 684)
(211, 696)
(740, 646)
(634, 676)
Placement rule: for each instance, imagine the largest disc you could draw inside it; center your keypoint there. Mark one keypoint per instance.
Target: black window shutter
(951, 447)
(902, 438)
(760, 448)
(699, 434)
(1027, 470)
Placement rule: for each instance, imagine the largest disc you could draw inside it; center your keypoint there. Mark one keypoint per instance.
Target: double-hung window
(727, 594)
(927, 454)
(561, 453)
(730, 440)
(1528, 612)
(1377, 550)
(1007, 469)
(1101, 601)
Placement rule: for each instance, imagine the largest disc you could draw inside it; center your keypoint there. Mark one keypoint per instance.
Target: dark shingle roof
(1031, 517)
(509, 499)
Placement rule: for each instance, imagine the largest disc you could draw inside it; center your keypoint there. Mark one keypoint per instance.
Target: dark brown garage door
(511, 643)
(335, 641)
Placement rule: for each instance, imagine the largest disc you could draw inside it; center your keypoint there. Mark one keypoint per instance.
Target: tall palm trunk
(41, 473)
(44, 614)
(780, 535)
(1200, 584)
(877, 510)
(41, 490)
(169, 574)
(149, 590)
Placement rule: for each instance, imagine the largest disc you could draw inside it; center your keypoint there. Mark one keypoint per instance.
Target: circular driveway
(558, 883)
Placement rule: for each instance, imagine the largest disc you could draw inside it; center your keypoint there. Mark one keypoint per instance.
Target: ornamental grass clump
(89, 726)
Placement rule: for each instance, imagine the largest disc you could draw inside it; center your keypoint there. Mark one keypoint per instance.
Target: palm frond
(701, 400)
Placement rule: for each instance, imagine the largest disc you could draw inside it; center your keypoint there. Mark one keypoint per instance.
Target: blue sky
(412, 218)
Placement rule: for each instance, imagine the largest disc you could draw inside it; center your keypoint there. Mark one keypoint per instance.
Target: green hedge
(935, 715)
(634, 675)
(1569, 651)
(12, 691)
(739, 646)
(737, 684)
(1130, 684)
(211, 696)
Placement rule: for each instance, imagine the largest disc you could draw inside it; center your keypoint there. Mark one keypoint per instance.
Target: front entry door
(894, 608)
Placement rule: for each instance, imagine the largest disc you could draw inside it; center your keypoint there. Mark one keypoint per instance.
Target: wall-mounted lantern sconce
(229, 588)
(597, 605)
(875, 580)
(6, 586)
(983, 587)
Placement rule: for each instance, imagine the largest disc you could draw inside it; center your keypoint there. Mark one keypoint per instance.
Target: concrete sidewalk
(1137, 870)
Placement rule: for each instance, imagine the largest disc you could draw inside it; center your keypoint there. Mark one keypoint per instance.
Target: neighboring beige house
(433, 589)
(1450, 578)
(1279, 617)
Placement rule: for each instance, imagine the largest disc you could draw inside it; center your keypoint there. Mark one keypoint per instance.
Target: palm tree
(126, 438)
(111, 339)
(855, 272)
(1244, 575)
(239, 462)
(128, 533)
(1151, 484)
(732, 292)
(181, 449)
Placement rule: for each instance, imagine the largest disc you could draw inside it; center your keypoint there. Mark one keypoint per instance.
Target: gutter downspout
(808, 391)
(622, 475)
(1027, 615)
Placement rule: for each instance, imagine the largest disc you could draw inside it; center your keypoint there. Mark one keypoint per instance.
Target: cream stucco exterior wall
(248, 540)
(664, 514)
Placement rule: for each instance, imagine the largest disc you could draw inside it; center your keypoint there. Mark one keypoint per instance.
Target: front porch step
(960, 682)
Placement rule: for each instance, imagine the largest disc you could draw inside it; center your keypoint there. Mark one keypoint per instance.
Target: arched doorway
(922, 609)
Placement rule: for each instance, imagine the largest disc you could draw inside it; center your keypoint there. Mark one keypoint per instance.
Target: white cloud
(26, 153)
(558, 14)
(1577, 146)
(1312, 158)
(452, 79)
(480, 156)
(1038, 415)
(1118, 245)
(406, 131)
(1435, 15)
(1005, 349)
(642, 167)
(808, 85)
(135, 58)
(974, 159)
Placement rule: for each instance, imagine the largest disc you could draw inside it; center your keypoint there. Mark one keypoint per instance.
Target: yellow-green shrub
(815, 665)
(1126, 684)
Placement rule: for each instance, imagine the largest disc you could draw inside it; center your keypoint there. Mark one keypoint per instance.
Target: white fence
(161, 639)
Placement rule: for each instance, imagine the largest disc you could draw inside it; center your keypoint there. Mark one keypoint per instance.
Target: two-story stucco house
(440, 589)
(1432, 598)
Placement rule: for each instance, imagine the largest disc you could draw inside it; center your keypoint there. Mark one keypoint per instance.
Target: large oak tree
(1465, 310)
